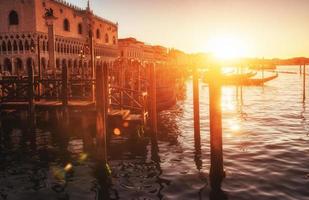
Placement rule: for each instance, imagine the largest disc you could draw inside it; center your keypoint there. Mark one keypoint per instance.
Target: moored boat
(244, 80)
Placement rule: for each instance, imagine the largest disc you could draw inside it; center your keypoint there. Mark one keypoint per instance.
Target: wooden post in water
(241, 87)
(65, 95)
(153, 102)
(196, 107)
(304, 83)
(216, 169)
(31, 105)
(101, 94)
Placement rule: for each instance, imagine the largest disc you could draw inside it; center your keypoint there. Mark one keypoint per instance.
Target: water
(266, 154)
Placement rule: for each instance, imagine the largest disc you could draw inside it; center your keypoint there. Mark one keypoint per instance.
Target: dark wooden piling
(216, 169)
(241, 87)
(64, 86)
(153, 102)
(196, 107)
(304, 83)
(64, 97)
(101, 98)
(31, 105)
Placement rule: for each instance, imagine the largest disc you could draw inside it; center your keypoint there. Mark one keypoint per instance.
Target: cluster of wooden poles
(216, 173)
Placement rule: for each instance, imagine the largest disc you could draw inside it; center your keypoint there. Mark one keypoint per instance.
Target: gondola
(244, 80)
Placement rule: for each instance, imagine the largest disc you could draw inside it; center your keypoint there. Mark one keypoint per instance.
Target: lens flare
(68, 167)
(117, 131)
(126, 124)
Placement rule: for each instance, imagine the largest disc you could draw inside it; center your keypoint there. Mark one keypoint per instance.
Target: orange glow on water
(227, 100)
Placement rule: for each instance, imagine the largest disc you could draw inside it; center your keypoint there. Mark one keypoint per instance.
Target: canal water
(266, 153)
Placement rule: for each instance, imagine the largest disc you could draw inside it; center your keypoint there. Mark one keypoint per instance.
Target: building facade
(24, 37)
(132, 49)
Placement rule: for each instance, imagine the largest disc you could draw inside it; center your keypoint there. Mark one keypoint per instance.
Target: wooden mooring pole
(304, 83)
(196, 107)
(65, 95)
(216, 169)
(31, 108)
(153, 102)
(101, 107)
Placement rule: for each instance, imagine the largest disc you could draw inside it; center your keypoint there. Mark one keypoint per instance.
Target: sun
(227, 47)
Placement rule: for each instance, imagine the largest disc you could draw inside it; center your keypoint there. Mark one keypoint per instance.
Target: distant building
(23, 31)
(130, 48)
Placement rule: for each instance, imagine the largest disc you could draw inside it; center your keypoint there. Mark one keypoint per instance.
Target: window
(106, 38)
(80, 29)
(98, 34)
(66, 25)
(114, 40)
(13, 18)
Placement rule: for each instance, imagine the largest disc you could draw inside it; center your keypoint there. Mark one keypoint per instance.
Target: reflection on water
(266, 153)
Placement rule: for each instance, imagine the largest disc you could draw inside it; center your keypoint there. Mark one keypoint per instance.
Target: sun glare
(227, 47)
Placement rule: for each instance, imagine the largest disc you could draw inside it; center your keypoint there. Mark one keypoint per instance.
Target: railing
(50, 88)
(124, 98)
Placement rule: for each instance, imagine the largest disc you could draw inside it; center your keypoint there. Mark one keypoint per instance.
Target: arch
(66, 25)
(98, 34)
(64, 63)
(15, 46)
(19, 65)
(13, 18)
(32, 45)
(20, 45)
(9, 46)
(58, 47)
(3, 47)
(43, 63)
(44, 47)
(80, 28)
(106, 38)
(27, 47)
(7, 65)
(57, 63)
(29, 63)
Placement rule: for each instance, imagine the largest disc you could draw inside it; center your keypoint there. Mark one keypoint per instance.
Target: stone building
(24, 37)
(132, 49)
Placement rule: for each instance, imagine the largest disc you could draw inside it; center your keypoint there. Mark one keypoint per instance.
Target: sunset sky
(257, 28)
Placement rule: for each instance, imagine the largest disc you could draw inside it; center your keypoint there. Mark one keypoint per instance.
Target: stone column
(51, 43)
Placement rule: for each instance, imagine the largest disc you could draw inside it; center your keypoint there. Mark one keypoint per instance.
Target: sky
(251, 28)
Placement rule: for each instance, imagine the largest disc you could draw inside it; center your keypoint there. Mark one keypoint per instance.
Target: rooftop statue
(49, 12)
